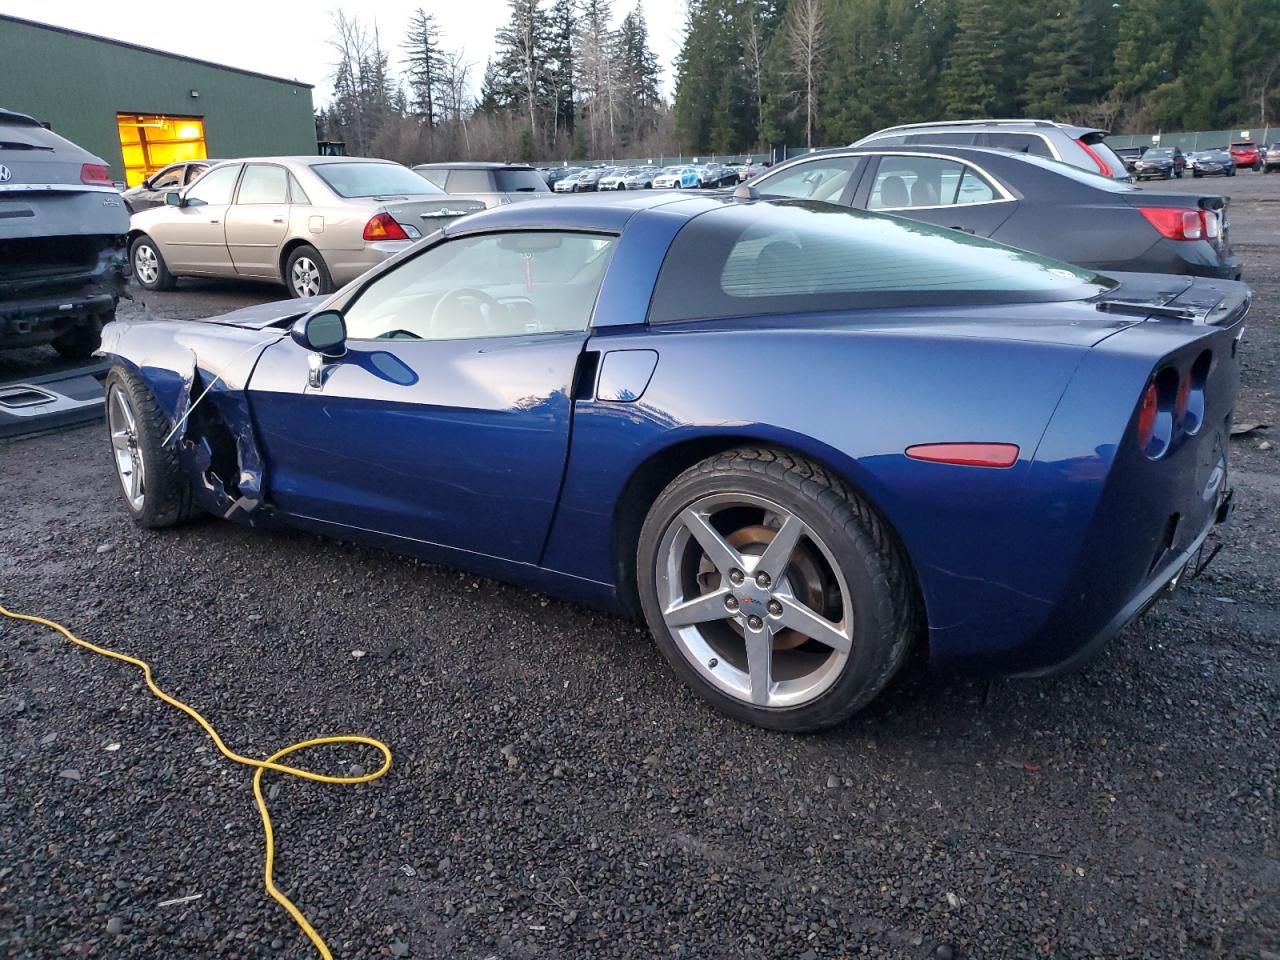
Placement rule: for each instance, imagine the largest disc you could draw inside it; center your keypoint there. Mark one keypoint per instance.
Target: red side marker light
(966, 454)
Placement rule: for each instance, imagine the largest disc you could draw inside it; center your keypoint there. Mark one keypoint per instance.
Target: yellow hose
(258, 765)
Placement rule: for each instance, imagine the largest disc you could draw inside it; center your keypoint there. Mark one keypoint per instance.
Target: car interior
(501, 285)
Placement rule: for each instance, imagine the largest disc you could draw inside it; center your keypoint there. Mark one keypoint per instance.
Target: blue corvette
(798, 439)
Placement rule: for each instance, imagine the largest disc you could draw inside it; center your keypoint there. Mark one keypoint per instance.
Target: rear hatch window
(519, 181)
(797, 256)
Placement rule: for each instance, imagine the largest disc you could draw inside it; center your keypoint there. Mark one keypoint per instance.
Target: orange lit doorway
(150, 141)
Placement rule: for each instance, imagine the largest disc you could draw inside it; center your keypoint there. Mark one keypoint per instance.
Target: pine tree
(639, 78)
(517, 75)
(561, 50)
(424, 66)
(971, 83)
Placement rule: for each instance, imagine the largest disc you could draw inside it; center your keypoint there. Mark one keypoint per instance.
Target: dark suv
(62, 233)
(493, 184)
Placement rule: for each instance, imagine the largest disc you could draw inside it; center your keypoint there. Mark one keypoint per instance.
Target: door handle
(277, 220)
(215, 221)
(957, 226)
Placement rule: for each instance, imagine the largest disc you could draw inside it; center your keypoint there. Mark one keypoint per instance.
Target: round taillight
(1147, 415)
(1184, 395)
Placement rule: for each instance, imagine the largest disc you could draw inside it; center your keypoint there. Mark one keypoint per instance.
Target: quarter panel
(853, 399)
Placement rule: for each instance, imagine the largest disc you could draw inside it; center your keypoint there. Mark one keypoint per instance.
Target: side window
(469, 181)
(960, 139)
(296, 193)
(973, 188)
(194, 170)
(215, 187)
(436, 175)
(170, 179)
(1019, 143)
(264, 183)
(496, 285)
(823, 179)
(906, 181)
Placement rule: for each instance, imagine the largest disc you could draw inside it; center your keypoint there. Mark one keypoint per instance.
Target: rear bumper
(35, 310)
(346, 265)
(1163, 582)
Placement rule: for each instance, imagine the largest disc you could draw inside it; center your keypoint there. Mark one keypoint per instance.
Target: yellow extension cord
(259, 765)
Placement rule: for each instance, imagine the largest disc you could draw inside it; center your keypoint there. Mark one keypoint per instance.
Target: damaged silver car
(62, 240)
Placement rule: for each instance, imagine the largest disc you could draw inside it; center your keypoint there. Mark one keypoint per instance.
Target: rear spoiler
(1212, 303)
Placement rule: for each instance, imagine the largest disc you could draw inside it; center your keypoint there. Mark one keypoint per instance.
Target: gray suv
(493, 184)
(1083, 147)
(62, 235)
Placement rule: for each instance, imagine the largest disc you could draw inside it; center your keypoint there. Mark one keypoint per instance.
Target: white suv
(1083, 147)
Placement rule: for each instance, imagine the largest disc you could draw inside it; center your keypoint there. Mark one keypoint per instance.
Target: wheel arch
(292, 244)
(652, 475)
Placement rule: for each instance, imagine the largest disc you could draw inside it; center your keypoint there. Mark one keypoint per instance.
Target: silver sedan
(311, 223)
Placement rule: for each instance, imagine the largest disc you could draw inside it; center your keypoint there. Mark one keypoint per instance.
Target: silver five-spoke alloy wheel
(146, 265)
(754, 600)
(305, 277)
(123, 424)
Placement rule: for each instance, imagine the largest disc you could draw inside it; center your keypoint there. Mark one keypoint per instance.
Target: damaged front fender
(198, 374)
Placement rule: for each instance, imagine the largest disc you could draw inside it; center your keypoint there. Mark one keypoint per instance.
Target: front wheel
(306, 274)
(774, 591)
(156, 492)
(148, 265)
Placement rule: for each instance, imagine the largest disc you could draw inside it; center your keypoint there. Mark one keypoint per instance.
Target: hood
(278, 313)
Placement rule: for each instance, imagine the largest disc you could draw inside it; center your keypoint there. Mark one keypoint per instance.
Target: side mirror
(173, 199)
(324, 333)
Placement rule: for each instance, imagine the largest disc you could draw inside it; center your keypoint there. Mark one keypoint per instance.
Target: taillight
(1103, 167)
(382, 226)
(96, 174)
(1176, 224)
(1147, 415)
(1184, 395)
(1212, 225)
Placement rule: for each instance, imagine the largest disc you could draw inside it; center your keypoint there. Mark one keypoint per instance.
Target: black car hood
(278, 313)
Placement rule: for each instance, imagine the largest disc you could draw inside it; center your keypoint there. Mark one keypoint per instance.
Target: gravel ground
(557, 794)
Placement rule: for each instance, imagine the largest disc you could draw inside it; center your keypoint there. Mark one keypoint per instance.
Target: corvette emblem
(5, 175)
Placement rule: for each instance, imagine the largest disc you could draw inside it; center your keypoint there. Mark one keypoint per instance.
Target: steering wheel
(485, 308)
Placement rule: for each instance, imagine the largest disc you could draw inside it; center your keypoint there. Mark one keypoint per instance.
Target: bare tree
(753, 48)
(804, 34)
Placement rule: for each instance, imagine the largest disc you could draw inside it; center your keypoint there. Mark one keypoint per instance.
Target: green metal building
(140, 108)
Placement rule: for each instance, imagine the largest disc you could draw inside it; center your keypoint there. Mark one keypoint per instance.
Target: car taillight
(1147, 415)
(1176, 224)
(1212, 225)
(1184, 395)
(1103, 167)
(382, 226)
(96, 174)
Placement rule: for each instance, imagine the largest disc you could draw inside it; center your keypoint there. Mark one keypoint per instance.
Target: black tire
(167, 492)
(886, 613)
(80, 341)
(1257, 167)
(1178, 174)
(317, 278)
(1196, 174)
(162, 279)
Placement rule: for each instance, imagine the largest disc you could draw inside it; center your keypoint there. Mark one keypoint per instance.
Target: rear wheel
(156, 492)
(306, 274)
(774, 591)
(148, 265)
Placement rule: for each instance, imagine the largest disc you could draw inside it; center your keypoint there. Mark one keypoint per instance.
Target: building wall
(78, 84)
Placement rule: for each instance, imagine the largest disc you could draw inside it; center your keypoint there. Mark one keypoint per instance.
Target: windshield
(375, 180)
(1157, 154)
(1079, 174)
(799, 256)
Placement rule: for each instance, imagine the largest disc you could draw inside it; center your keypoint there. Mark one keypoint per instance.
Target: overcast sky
(287, 38)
